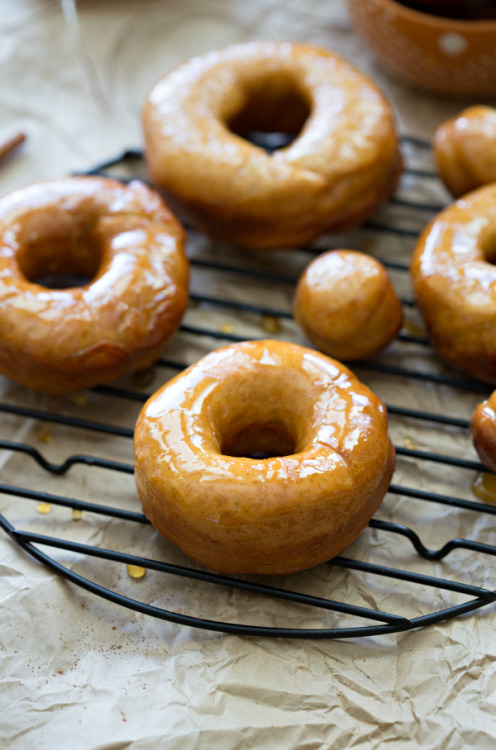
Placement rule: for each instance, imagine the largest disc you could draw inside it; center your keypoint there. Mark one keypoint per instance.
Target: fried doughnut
(455, 282)
(346, 305)
(483, 431)
(343, 161)
(328, 459)
(465, 150)
(122, 238)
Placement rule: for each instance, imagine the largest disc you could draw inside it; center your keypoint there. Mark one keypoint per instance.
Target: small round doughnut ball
(454, 279)
(343, 161)
(465, 150)
(483, 431)
(346, 305)
(129, 246)
(263, 457)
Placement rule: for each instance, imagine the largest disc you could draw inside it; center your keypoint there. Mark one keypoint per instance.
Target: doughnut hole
(271, 110)
(483, 431)
(58, 250)
(465, 150)
(346, 305)
(263, 415)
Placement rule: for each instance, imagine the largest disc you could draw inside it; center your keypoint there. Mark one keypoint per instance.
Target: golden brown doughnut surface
(131, 247)
(465, 150)
(329, 466)
(346, 305)
(454, 279)
(483, 431)
(343, 162)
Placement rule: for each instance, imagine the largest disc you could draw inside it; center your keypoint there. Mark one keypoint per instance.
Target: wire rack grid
(423, 558)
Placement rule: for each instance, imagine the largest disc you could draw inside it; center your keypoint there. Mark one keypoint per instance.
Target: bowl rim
(440, 22)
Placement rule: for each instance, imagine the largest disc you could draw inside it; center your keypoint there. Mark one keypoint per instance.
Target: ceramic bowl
(441, 54)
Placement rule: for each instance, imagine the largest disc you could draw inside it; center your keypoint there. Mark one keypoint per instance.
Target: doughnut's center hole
(260, 440)
(57, 253)
(488, 244)
(273, 113)
(62, 280)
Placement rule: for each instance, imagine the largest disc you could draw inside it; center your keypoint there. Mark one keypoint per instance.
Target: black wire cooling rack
(418, 199)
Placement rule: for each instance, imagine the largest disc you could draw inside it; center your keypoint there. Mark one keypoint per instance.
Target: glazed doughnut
(328, 459)
(465, 150)
(124, 239)
(483, 431)
(343, 162)
(455, 282)
(346, 305)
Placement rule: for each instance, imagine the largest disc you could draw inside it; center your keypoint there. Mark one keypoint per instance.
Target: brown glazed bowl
(441, 54)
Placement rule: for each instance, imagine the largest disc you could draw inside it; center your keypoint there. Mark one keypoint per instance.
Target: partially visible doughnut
(454, 278)
(329, 460)
(126, 241)
(465, 150)
(343, 162)
(483, 431)
(346, 305)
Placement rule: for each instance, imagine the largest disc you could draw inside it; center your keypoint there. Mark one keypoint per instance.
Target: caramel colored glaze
(343, 162)
(455, 283)
(465, 150)
(127, 241)
(483, 431)
(346, 305)
(270, 515)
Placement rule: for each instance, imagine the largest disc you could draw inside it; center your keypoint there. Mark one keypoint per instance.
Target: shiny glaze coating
(483, 431)
(342, 164)
(128, 243)
(455, 282)
(331, 459)
(346, 305)
(465, 150)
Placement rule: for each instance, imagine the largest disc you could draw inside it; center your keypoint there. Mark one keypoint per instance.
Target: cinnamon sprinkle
(11, 145)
